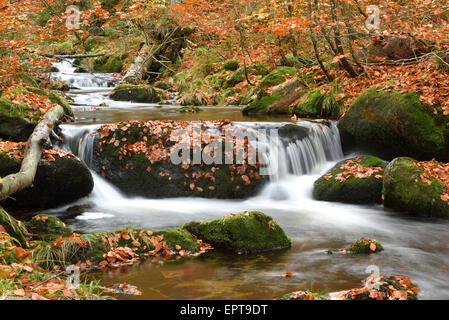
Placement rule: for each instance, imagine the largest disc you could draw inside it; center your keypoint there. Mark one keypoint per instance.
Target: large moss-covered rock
(392, 124)
(356, 180)
(47, 227)
(279, 100)
(244, 233)
(317, 105)
(136, 93)
(109, 63)
(14, 122)
(135, 156)
(404, 190)
(18, 120)
(57, 182)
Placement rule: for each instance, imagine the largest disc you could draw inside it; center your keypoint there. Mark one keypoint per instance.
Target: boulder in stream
(47, 227)
(407, 187)
(391, 124)
(137, 93)
(357, 180)
(61, 178)
(141, 158)
(244, 233)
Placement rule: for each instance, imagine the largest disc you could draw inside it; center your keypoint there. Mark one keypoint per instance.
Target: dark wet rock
(393, 124)
(57, 182)
(404, 190)
(81, 70)
(135, 157)
(339, 186)
(243, 233)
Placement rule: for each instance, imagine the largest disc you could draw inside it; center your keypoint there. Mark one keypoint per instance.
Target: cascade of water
(80, 80)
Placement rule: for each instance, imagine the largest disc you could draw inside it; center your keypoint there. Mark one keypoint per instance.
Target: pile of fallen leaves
(156, 140)
(381, 288)
(353, 168)
(424, 77)
(143, 244)
(20, 277)
(38, 104)
(437, 170)
(17, 150)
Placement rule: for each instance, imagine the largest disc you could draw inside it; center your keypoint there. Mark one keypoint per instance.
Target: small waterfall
(79, 80)
(79, 141)
(304, 155)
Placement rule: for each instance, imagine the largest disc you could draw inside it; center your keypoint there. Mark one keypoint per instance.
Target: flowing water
(418, 248)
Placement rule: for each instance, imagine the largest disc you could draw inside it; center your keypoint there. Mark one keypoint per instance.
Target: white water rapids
(418, 248)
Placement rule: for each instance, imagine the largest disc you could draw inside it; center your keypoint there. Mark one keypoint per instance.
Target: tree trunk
(13, 227)
(41, 134)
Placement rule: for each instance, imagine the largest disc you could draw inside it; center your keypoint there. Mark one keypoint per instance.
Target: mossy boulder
(137, 93)
(317, 105)
(18, 120)
(47, 227)
(279, 100)
(163, 85)
(244, 233)
(404, 190)
(393, 124)
(50, 187)
(179, 237)
(136, 157)
(109, 63)
(15, 123)
(365, 246)
(338, 185)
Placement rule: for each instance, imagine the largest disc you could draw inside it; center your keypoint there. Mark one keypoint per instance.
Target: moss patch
(392, 124)
(243, 233)
(47, 227)
(352, 190)
(137, 93)
(404, 190)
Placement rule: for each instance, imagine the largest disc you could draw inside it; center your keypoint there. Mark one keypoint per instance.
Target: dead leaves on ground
(437, 170)
(353, 168)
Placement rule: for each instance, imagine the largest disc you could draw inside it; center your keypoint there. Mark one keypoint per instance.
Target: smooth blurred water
(418, 248)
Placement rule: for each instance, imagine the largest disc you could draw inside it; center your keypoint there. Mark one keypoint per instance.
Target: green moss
(179, 237)
(404, 190)
(239, 75)
(109, 63)
(243, 233)
(277, 77)
(316, 105)
(395, 124)
(363, 246)
(162, 85)
(352, 190)
(189, 109)
(54, 97)
(261, 103)
(47, 227)
(231, 65)
(137, 93)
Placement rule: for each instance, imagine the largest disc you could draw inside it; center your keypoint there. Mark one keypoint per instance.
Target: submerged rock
(393, 124)
(137, 93)
(47, 227)
(360, 246)
(407, 187)
(61, 178)
(136, 156)
(243, 233)
(356, 180)
(374, 288)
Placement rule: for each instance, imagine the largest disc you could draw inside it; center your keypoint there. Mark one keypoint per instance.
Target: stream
(417, 248)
